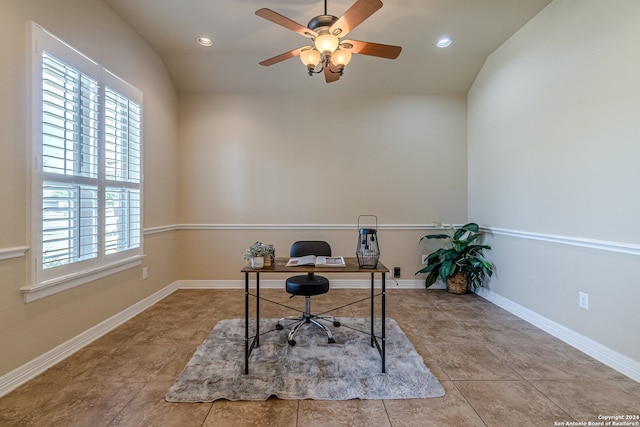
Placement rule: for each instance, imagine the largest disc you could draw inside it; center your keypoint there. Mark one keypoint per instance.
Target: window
(87, 172)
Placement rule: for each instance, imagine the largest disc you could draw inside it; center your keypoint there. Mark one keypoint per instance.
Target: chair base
(307, 317)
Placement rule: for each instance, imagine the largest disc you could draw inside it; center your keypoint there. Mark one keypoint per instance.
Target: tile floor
(497, 371)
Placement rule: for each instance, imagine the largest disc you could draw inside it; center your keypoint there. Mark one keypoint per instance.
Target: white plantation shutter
(69, 164)
(122, 137)
(122, 220)
(69, 224)
(122, 169)
(87, 134)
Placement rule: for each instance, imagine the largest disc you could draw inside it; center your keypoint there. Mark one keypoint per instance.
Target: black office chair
(308, 285)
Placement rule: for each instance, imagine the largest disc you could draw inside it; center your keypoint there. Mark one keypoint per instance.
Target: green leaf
(437, 253)
(435, 236)
(459, 245)
(447, 269)
(469, 228)
(475, 247)
(472, 226)
(428, 268)
(431, 278)
(474, 261)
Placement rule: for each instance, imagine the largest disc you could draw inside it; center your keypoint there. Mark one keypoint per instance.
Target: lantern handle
(374, 216)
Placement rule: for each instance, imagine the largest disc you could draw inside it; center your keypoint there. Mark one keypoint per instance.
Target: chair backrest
(310, 247)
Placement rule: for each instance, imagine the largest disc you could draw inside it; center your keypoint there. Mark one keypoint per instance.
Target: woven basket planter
(457, 284)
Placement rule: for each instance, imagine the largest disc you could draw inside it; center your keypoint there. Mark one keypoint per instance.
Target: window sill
(51, 287)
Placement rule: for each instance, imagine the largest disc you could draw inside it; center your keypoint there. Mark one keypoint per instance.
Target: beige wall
(279, 159)
(292, 160)
(28, 330)
(554, 132)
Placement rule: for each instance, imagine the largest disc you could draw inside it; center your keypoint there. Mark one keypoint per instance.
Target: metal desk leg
(384, 368)
(373, 311)
(257, 309)
(246, 323)
(248, 348)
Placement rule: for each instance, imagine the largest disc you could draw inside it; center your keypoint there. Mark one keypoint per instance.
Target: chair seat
(307, 285)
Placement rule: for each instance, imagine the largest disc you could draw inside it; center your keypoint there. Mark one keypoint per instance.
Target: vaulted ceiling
(242, 39)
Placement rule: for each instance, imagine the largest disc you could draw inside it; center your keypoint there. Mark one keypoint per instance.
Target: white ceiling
(242, 39)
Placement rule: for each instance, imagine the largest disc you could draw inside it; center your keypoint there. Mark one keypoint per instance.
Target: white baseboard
(35, 367)
(621, 363)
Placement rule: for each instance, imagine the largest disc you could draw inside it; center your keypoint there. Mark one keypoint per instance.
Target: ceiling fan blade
(374, 49)
(283, 56)
(358, 12)
(330, 77)
(275, 17)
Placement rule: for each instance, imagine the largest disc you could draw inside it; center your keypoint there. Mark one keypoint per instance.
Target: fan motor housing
(321, 21)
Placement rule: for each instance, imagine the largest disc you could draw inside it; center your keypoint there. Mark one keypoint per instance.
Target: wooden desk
(279, 266)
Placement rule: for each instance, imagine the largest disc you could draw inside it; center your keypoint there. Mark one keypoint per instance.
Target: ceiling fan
(327, 31)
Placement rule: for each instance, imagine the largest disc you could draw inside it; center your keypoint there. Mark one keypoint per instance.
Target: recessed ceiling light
(444, 42)
(205, 41)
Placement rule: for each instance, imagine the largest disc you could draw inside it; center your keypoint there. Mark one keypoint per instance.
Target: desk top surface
(280, 266)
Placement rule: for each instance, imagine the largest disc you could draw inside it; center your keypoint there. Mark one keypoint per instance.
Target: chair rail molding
(15, 252)
(160, 229)
(299, 226)
(620, 247)
(626, 248)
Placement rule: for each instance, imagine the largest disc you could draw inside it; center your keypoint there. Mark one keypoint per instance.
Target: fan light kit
(326, 31)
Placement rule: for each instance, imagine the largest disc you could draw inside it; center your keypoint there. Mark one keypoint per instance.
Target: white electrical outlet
(424, 258)
(583, 300)
(145, 273)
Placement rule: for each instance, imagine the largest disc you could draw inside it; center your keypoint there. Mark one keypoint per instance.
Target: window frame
(48, 281)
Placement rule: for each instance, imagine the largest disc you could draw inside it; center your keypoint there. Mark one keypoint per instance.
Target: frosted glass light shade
(326, 43)
(310, 57)
(341, 57)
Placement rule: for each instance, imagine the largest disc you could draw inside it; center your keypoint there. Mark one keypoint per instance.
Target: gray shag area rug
(312, 369)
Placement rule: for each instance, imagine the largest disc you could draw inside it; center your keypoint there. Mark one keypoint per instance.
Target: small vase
(257, 262)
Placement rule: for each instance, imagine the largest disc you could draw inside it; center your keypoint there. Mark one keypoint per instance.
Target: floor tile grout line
(549, 398)
(204, 420)
(386, 411)
(127, 404)
(469, 403)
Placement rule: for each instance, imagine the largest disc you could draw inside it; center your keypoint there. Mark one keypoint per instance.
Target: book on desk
(318, 261)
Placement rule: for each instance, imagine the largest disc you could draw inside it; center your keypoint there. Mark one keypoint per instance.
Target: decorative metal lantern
(367, 250)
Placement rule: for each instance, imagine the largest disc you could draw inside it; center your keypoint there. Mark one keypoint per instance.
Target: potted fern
(460, 265)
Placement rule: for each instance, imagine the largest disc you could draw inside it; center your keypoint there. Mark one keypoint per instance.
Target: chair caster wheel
(279, 327)
(336, 323)
(292, 342)
(331, 341)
